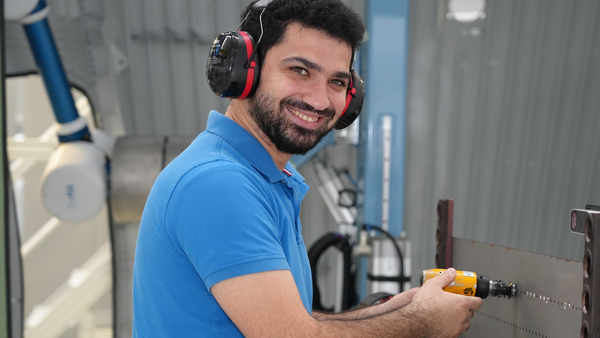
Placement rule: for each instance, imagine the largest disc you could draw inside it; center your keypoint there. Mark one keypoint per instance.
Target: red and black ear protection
(355, 96)
(232, 66)
(232, 71)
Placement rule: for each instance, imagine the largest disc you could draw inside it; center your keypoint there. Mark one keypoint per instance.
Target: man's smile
(303, 116)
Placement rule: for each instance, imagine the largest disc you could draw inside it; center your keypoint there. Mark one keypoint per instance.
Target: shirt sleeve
(220, 217)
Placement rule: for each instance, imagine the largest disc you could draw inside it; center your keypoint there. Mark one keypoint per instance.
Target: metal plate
(548, 303)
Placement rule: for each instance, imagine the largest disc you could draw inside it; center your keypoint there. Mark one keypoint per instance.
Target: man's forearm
(408, 321)
(363, 313)
(393, 304)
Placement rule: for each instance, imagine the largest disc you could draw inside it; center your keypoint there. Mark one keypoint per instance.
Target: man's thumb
(444, 279)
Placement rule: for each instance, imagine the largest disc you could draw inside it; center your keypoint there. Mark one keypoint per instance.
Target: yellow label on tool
(465, 282)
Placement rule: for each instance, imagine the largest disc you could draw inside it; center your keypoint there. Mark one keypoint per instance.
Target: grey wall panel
(113, 33)
(180, 53)
(167, 43)
(202, 25)
(137, 74)
(157, 43)
(502, 114)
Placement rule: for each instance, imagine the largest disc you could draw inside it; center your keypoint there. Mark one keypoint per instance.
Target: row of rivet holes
(563, 305)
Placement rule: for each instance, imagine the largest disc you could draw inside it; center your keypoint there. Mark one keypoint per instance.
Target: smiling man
(220, 250)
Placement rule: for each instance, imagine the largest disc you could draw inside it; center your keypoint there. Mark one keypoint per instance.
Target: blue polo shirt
(221, 209)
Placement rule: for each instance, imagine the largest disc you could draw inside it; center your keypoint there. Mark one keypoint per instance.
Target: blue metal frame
(386, 71)
(385, 74)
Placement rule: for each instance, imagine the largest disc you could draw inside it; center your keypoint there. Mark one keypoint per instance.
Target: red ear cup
(355, 96)
(229, 72)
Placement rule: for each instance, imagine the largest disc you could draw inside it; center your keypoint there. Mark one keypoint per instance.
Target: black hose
(400, 278)
(342, 242)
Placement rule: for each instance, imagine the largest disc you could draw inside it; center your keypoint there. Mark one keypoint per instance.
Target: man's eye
(340, 83)
(300, 70)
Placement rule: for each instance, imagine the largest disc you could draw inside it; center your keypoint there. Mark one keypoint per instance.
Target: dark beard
(285, 134)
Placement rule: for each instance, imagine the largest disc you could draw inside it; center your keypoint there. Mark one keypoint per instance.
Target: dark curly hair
(330, 16)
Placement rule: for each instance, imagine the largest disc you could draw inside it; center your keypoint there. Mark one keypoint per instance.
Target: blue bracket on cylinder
(385, 91)
(38, 32)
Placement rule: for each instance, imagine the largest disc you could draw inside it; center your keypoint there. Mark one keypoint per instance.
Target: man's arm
(267, 304)
(395, 303)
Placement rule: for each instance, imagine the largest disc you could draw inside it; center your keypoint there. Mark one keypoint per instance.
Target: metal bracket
(589, 222)
(443, 234)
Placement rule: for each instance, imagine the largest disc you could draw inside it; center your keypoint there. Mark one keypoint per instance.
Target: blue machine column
(383, 122)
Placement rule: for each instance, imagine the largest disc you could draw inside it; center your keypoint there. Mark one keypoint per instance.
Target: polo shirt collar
(249, 147)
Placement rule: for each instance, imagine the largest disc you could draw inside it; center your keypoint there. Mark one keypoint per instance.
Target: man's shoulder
(209, 182)
(208, 174)
(208, 154)
(219, 172)
(203, 169)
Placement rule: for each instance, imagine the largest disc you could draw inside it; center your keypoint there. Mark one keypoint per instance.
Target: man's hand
(451, 312)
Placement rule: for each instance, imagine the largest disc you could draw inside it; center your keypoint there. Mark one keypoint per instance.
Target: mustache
(301, 105)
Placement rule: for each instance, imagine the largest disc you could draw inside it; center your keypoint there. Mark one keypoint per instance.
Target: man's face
(302, 90)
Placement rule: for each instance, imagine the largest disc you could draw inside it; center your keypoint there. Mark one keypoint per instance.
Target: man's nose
(316, 95)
